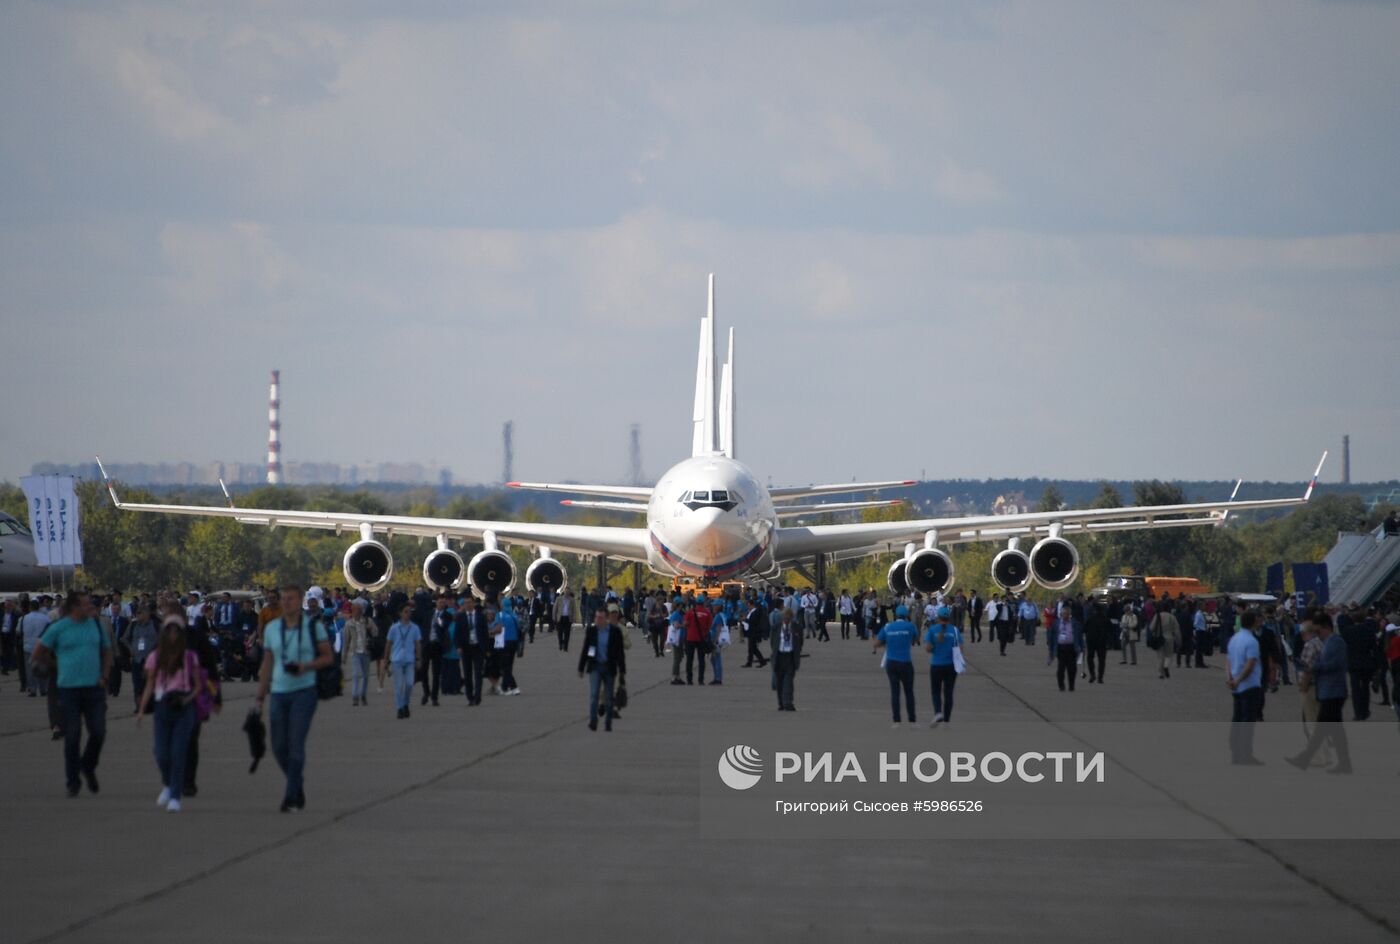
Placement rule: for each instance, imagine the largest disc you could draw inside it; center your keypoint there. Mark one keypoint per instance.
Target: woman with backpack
(174, 679)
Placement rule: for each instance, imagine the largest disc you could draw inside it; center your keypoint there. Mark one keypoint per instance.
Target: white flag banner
(53, 517)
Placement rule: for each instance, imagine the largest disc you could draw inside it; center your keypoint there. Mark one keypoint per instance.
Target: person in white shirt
(846, 609)
(809, 612)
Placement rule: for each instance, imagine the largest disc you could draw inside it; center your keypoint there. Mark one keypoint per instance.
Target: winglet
(111, 490)
(227, 497)
(1316, 472)
(1224, 515)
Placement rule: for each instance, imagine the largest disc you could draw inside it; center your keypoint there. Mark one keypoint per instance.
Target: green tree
(1050, 499)
(218, 552)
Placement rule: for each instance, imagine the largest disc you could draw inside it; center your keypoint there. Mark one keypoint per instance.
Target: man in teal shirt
(84, 661)
(295, 645)
(941, 639)
(897, 638)
(507, 626)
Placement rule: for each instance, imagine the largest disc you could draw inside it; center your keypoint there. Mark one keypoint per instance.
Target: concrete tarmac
(515, 822)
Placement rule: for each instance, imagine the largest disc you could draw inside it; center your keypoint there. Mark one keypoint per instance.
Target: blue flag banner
(1273, 583)
(1310, 582)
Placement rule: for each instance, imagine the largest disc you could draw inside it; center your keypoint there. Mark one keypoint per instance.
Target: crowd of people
(180, 651)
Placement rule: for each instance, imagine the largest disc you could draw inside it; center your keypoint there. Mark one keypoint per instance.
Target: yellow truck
(680, 586)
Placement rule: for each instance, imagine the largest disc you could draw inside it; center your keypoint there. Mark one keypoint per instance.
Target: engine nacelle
(1011, 570)
(368, 566)
(1054, 563)
(443, 569)
(896, 579)
(929, 570)
(491, 574)
(546, 573)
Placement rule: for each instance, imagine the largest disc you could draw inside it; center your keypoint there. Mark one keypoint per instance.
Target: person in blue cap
(897, 639)
(940, 640)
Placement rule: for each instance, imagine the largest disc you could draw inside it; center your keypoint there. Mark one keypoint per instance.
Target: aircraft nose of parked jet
(711, 536)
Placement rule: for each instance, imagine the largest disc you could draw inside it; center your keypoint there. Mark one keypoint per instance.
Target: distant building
(1012, 503)
(253, 473)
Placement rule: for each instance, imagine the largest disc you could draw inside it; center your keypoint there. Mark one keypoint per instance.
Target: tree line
(147, 551)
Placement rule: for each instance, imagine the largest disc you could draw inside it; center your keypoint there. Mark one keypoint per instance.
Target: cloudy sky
(984, 239)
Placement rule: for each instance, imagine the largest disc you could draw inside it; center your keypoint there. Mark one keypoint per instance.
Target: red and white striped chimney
(274, 434)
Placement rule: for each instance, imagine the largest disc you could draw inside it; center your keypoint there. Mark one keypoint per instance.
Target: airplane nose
(713, 536)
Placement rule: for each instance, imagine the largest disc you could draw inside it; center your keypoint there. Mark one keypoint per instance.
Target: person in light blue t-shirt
(939, 642)
(405, 642)
(1247, 693)
(897, 639)
(293, 650)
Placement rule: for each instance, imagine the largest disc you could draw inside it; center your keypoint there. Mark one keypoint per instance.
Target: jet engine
(368, 565)
(546, 573)
(1055, 563)
(444, 569)
(929, 570)
(491, 573)
(1011, 570)
(896, 579)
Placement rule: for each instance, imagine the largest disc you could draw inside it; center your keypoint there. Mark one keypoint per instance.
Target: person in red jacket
(697, 639)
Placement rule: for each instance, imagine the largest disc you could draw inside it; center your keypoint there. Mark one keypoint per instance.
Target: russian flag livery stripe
(692, 569)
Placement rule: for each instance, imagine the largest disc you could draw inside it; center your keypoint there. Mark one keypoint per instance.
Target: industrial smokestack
(634, 453)
(274, 433)
(508, 450)
(1346, 460)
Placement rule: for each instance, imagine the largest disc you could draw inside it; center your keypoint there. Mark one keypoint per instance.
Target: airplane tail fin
(703, 439)
(726, 401)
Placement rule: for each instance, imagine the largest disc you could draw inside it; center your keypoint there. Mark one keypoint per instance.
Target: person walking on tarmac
(897, 639)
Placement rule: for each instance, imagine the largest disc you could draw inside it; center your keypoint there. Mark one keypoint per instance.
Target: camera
(291, 668)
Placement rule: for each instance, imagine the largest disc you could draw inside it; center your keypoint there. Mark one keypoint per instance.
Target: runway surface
(512, 820)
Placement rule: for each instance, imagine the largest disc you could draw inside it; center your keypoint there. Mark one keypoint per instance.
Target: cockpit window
(713, 498)
(6, 527)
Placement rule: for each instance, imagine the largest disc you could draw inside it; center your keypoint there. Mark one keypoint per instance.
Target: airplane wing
(807, 491)
(822, 508)
(872, 537)
(636, 507)
(635, 492)
(622, 543)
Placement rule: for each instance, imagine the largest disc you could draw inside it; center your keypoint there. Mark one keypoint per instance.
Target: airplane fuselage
(709, 517)
(19, 570)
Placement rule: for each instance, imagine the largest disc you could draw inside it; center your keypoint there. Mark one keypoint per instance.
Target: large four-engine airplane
(19, 568)
(711, 518)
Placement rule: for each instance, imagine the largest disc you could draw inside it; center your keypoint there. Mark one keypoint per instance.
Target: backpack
(1154, 633)
(205, 688)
